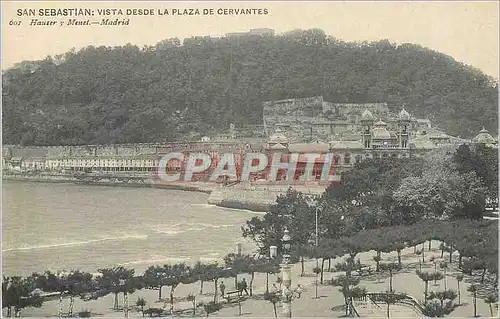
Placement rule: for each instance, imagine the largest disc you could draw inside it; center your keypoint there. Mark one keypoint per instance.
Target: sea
(63, 227)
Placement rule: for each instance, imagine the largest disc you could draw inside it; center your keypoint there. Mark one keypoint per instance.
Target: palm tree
(419, 260)
(437, 276)
(489, 300)
(460, 277)
(141, 303)
(391, 298)
(444, 266)
(377, 260)
(346, 284)
(391, 267)
(425, 277)
(473, 289)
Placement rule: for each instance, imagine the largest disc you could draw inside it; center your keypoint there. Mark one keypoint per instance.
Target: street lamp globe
(286, 242)
(273, 252)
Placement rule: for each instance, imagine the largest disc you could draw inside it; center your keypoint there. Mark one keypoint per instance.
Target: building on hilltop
(308, 118)
(253, 32)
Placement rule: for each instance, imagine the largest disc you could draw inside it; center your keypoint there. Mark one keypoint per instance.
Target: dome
(367, 116)
(278, 137)
(403, 115)
(484, 137)
(380, 131)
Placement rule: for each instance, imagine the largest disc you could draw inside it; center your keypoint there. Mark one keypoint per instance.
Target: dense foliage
(158, 93)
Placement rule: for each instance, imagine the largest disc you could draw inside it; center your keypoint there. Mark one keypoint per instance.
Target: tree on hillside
(90, 97)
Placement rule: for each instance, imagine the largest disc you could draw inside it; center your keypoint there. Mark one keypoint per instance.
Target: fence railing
(375, 297)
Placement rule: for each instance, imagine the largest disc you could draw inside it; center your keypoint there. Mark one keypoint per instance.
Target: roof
(422, 142)
(317, 146)
(438, 134)
(346, 145)
(278, 137)
(381, 133)
(367, 116)
(278, 146)
(484, 137)
(404, 115)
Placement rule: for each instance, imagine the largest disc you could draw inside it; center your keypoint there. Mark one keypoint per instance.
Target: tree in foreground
(192, 298)
(17, 293)
(347, 286)
(273, 298)
(473, 289)
(390, 298)
(425, 277)
(141, 302)
(391, 268)
(460, 277)
(491, 299)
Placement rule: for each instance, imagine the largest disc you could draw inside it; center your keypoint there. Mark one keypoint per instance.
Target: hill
(157, 93)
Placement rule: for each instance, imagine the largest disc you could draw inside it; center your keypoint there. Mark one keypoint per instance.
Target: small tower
(367, 124)
(404, 128)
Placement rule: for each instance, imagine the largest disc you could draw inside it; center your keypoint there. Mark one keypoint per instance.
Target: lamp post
(286, 275)
(316, 237)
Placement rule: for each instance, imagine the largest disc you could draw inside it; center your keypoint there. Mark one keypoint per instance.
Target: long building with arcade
(351, 132)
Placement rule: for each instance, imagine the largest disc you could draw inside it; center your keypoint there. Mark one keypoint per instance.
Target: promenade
(329, 304)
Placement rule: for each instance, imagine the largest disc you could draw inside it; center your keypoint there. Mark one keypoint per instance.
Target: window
(336, 160)
(347, 159)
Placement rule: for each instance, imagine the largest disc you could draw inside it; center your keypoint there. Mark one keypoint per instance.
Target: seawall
(254, 200)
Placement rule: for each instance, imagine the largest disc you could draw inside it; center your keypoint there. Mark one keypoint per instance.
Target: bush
(84, 314)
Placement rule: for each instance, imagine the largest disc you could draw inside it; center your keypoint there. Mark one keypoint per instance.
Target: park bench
(231, 294)
(364, 270)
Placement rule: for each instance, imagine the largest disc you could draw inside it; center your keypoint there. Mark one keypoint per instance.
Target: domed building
(403, 115)
(484, 138)
(278, 140)
(367, 116)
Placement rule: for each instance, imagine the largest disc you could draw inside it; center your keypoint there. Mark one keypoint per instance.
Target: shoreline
(255, 201)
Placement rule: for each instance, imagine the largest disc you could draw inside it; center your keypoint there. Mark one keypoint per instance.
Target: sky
(467, 31)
